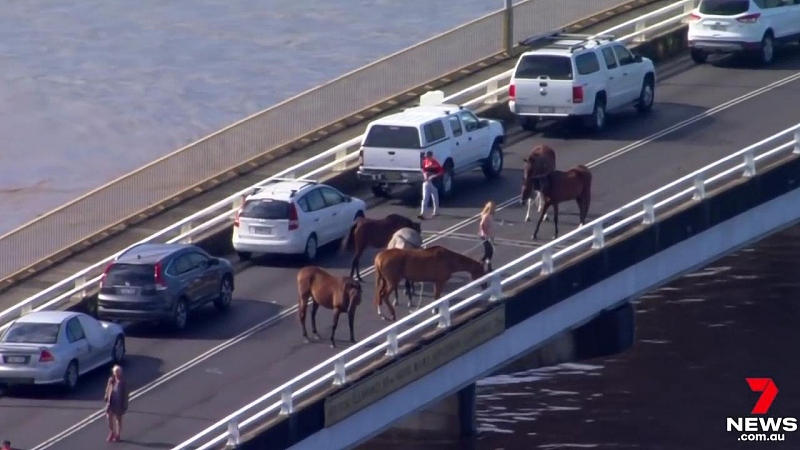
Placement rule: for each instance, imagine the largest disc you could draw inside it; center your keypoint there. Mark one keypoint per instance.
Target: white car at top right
(742, 26)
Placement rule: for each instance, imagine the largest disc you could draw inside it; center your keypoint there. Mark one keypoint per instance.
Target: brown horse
(574, 184)
(367, 233)
(540, 163)
(339, 294)
(434, 265)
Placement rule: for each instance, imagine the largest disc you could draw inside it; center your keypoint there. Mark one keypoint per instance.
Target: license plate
(394, 176)
(127, 291)
(547, 109)
(261, 230)
(718, 27)
(15, 359)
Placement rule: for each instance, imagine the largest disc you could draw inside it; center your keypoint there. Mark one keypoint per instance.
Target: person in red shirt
(430, 170)
(6, 446)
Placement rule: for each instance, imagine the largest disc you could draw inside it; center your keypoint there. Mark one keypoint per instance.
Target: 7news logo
(762, 428)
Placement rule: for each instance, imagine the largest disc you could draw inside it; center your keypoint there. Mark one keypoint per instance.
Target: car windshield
(130, 275)
(266, 209)
(551, 66)
(32, 333)
(392, 137)
(724, 7)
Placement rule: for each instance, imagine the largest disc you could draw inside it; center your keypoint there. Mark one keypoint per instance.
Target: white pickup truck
(394, 146)
(568, 75)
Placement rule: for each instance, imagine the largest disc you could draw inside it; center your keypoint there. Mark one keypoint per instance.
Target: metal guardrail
(373, 86)
(486, 92)
(541, 261)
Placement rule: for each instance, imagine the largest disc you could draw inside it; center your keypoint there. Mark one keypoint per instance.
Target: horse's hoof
(333, 345)
(307, 340)
(352, 341)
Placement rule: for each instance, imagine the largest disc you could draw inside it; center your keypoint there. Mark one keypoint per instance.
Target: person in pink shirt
(486, 233)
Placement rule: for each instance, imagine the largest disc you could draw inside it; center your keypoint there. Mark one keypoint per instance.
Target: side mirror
(213, 262)
(637, 58)
(483, 123)
(348, 199)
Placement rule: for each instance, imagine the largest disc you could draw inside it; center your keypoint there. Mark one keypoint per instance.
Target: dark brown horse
(574, 184)
(540, 163)
(434, 265)
(339, 294)
(367, 233)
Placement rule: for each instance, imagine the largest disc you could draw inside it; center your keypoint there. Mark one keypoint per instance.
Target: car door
(186, 276)
(631, 77)
(100, 340)
(317, 221)
(209, 281)
(461, 147)
(477, 137)
(79, 345)
(336, 210)
(614, 82)
(790, 11)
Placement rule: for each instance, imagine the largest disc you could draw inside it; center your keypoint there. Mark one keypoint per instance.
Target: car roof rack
(550, 40)
(281, 180)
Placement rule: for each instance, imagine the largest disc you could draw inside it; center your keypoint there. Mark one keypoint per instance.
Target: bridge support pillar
(445, 422)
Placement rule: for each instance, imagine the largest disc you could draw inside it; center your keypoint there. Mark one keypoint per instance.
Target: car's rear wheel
(767, 51)
(310, 253)
(699, 56)
(445, 182)
(528, 123)
(647, 95)
(118, 351)
(244, 256)
(380, 191)
(597, 121)
(225, 294)
(71, 376)
(181, 315)
(494, 163)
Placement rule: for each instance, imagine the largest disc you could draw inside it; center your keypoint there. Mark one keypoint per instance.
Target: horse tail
(348, 241)
(380, 284)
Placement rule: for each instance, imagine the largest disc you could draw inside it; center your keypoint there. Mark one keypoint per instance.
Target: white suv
(394, 146)
(568, 75)
(738, 26)
(293, 217)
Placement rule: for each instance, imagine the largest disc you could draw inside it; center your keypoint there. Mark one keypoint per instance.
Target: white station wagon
(293, 217)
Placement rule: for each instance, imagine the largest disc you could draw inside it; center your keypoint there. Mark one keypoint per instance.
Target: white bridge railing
(331, 161)
(541, 261)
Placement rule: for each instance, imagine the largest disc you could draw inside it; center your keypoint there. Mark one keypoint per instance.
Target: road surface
(171, 403)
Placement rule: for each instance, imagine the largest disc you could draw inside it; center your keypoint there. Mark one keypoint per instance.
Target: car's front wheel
(494, 163)
(647, 95)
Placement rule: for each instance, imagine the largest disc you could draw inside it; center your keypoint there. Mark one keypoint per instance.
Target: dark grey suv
(162, 282)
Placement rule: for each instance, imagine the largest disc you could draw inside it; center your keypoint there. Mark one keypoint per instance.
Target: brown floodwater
(697, 340)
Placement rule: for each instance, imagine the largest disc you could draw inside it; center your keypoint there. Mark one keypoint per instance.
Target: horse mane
(456, 255)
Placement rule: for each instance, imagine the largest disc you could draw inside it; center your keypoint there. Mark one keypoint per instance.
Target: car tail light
(105, 272)
(236, 218)
(512, 91)
(46, 356)
(577, 94)
(361, 157)
(294, 222)
(161, 283)
(693, 18)
(750, 18)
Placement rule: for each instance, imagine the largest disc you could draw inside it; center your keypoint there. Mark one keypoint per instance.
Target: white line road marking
(444, 233)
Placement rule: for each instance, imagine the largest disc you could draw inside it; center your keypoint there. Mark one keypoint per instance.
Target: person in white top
(486, 233)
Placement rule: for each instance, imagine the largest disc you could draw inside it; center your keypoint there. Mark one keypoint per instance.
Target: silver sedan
(51, 347)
